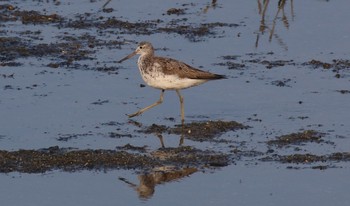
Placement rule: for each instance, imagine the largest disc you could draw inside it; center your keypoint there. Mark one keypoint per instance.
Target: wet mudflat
(279, 121)
(70, 159)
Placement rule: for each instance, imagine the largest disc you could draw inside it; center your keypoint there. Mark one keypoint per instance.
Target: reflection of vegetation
(107, 2)
(212, 5)
(262, 7)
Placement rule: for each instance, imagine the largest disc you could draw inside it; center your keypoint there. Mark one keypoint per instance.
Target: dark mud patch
(109, 70)
(233, 62)
(70, 160)
(36, 161)
(193, 32)
(188, 155)
(269, 64)
(282, 83)
(10, 64)
(12, 48)
(100, 102)
(35, 17)
(297, 138)
(175, 11)
(249, 155)
(124, 27)
(336, 65)
(310, 159)
(31, 87)
(118, 135)
(5, 76)
(12, 13)
(344, 91)
(130, 147)
(231, 65)
(307, 159)
(298, 117)
(67, 137)
(276, 63)
(197, 131)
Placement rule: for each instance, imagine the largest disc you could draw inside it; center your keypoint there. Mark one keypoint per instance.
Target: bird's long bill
(127, 57)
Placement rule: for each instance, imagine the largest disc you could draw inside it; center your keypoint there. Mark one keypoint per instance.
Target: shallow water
(69, 107)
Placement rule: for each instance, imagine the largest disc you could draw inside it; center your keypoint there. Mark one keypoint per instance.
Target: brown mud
(67, 159)
(297, 138)
(196, 131)
(142, 159)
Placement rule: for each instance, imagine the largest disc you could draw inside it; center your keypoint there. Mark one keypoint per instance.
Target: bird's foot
(134, 114)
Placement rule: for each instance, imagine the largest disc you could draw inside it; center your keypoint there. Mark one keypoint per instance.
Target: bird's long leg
(182, 107)
(149, 107)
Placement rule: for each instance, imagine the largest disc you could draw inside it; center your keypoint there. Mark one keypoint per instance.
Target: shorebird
(167, 74)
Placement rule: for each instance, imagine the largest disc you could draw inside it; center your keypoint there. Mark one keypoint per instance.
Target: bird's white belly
(170, 81)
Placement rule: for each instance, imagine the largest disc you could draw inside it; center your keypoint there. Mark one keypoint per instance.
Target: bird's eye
(140, 47)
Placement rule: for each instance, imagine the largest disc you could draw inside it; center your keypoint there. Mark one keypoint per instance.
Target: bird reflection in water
(158, 132)
(160, 136)
(161, 175)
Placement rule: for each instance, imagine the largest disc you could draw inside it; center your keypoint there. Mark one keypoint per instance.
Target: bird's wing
(174, 67)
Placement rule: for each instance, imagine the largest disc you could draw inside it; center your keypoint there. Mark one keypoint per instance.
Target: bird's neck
(145, 60)
(146, 57)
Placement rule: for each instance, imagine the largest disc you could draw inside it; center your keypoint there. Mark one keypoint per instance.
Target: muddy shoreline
(143, 160)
